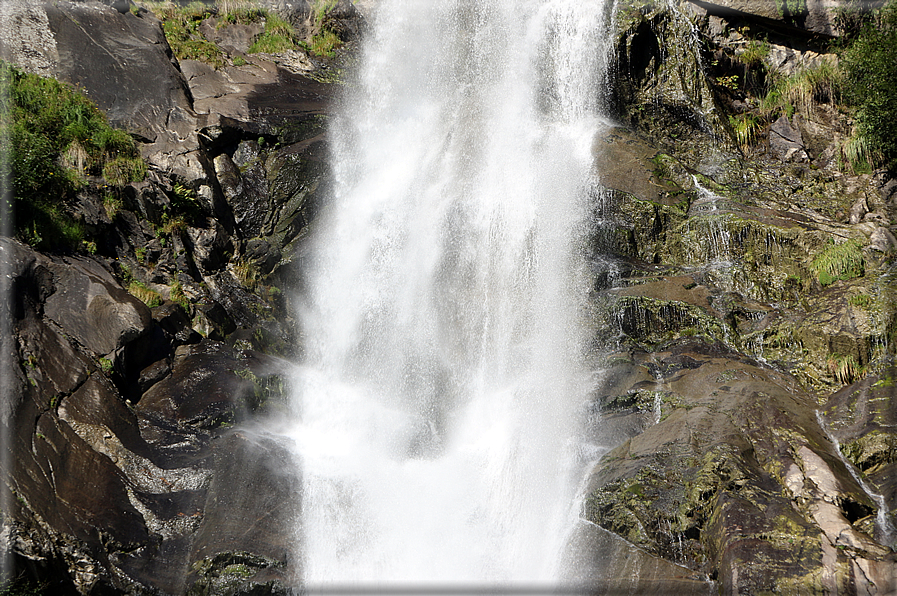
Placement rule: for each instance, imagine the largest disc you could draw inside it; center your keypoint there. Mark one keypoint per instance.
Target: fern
(839, 262)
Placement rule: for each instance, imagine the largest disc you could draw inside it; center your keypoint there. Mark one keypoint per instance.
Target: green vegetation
(755, 53)
(870, 81)
(176, 293)
(58, 137)
(242, 12)
(21, 585)
(149, 297)
(798, 92)
(792, 8)
(746, 128)
(861, 300)
(112, 204)
(106, 365)
(278, 36)
(839, 262)
(324, 41)
(181, 26)
(864, 81)
(845, 369)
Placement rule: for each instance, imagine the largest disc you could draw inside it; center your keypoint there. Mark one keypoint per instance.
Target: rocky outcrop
(115, 493)
(725, 338)
(136, 373)
(819, 17)
(727, 470)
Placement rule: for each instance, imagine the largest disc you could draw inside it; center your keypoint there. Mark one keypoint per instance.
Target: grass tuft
(57, 137)
(149, 297)
(278, 36)
(839, 262)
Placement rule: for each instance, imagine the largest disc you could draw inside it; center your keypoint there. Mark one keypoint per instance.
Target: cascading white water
(437, 405)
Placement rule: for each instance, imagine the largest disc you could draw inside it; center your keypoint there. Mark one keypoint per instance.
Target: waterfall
(436, 409)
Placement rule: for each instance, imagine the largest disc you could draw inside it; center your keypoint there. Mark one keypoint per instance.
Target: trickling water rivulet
(436, 408)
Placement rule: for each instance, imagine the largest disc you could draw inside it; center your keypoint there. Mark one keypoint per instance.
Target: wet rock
(246, 542)
(863, 419)
(152, 374)
(265, 256)
(659, 86)
(734, 474)
(242, 307)
(609, 565)
(204, 389)
(175, 322)
(93, 308)
(246, 193)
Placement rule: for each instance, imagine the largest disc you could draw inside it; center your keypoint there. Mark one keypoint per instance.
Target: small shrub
(122, 170)
(176, 293)
(243, 12)
(246, 273)
(845, 369)
(325, 42)
(730, 82)
(839, 262)
(106, 365)
(800, 91)
(185, 209)
(181, 27)
(755, 53)
(858, 152)
(112, 204)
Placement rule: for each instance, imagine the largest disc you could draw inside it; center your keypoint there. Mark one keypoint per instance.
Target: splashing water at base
(436, 412)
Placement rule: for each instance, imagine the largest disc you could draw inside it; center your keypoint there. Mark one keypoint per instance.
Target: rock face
(724, 341)
(816, 16)
(108, 495)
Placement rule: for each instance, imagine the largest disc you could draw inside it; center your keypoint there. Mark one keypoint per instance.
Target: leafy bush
(57, 136)
(870, 71)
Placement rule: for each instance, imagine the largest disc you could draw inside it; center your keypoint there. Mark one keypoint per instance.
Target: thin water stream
(436, 413)
(885, 531)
